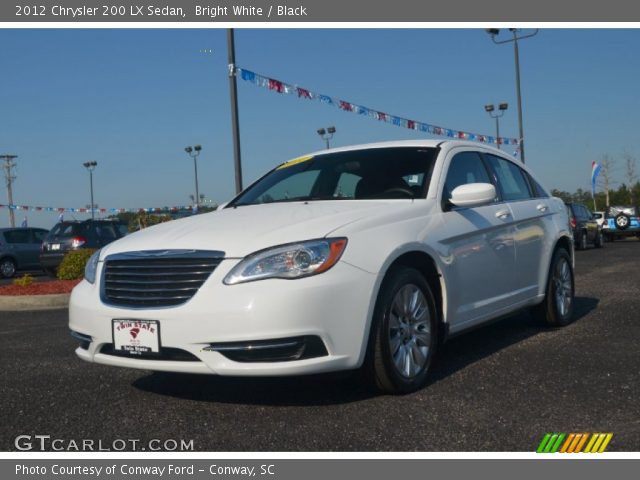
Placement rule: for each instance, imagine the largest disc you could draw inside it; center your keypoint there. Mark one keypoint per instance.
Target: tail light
(77, 242)
(572, 222)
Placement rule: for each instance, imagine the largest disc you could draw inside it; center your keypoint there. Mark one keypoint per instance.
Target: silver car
(19, 249)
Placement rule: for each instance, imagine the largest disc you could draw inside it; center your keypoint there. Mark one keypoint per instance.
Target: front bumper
(334, 306)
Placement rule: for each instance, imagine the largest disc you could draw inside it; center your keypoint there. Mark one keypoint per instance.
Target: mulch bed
(40, 288)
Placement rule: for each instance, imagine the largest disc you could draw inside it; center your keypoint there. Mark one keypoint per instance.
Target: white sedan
(362, 257)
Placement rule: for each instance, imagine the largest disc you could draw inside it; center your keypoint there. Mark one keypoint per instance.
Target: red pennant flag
(276, 85)
(303, 93)
(411, 124)
(346, 106)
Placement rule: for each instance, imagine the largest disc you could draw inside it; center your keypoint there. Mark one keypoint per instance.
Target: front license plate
(136, 337)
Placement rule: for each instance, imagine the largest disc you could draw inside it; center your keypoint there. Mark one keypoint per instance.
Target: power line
(8, 166)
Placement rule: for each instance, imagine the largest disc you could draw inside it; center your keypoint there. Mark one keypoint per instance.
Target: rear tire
(599, 241)
(556, 309)
(582, 241)
(403, 336)
(7, 268)
(52, 272)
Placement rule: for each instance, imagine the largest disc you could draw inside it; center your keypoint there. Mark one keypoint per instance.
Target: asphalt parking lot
(500, 388)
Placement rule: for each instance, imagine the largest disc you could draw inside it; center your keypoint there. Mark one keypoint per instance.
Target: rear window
(66, 230)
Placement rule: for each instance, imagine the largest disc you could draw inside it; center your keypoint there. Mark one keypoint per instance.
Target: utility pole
(8, 165)
(493, 32)
(235, 123)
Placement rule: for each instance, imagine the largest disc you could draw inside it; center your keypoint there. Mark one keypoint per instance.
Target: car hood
(240, 231)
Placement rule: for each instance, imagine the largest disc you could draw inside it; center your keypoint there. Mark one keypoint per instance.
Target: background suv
(19, 248)
(72, 235)
(584, 226)
(622, 221)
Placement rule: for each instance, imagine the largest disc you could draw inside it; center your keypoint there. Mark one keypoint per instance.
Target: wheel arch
(413, 256)
(565, 242)
(4, 256)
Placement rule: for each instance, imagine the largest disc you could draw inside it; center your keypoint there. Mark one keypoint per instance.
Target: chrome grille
(150, 279)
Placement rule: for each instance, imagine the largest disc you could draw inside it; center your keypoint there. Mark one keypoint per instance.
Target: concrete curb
(14, 303)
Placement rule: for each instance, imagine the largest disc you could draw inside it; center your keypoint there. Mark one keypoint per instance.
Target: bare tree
(632, 176)
(607, 164)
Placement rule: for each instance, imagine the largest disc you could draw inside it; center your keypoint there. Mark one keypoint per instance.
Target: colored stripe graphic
(574, 442)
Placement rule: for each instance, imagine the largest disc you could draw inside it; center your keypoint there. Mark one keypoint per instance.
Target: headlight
(91, 268)
(295, 260)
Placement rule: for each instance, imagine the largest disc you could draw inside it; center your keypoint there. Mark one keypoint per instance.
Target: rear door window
(17, 236)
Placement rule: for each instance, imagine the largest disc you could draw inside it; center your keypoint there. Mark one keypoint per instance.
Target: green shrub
(73, 263)
(23, 281)
(144, 220)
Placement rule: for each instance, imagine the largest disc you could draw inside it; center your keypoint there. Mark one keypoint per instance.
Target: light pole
(8, 166)
(193, 153)
(490, 109)
(494, 32)
(233, 94)
(327, 134)
(91, 166)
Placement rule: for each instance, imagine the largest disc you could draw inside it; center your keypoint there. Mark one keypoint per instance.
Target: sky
(133, 99)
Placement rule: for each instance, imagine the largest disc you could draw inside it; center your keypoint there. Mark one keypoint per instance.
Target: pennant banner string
(30, 208)
(304, 93)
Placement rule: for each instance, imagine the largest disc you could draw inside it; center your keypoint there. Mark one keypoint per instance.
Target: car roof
(431, 143)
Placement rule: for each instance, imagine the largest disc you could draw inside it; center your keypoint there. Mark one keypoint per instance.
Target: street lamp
(494, 32)
(193, 153)
(490, 109)
(91, 166)
(327, 134)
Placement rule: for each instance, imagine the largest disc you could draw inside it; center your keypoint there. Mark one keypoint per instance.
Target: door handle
(503, 214)
(542, 207)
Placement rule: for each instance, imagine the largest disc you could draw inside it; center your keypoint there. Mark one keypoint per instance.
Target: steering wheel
(401, 190)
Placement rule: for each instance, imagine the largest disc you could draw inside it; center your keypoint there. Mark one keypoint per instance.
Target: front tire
(556, 309)
(403, 334)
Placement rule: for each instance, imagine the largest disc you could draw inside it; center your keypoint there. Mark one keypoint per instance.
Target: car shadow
(346, 387)
(475, 345)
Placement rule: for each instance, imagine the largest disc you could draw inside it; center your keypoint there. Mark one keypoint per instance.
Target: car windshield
(379, 173)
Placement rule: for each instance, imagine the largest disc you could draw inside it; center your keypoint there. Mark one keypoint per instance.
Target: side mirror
(473, 195)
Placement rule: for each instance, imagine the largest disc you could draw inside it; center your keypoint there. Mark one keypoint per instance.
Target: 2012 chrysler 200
(361, 257)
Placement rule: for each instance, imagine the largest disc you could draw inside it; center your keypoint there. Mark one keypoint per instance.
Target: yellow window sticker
(295, 161)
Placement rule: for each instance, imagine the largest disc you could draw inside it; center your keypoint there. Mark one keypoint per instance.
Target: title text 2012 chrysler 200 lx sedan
(361, 257)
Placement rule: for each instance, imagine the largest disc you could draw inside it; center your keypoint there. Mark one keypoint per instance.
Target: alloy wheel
(409, 331)
(7, 268)
(563, 287)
